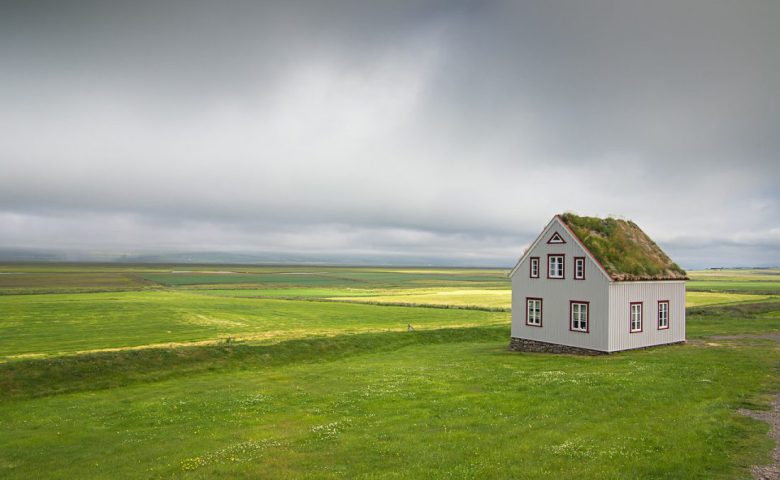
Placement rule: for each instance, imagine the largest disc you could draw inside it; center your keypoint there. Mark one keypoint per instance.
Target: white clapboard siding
(621, 294)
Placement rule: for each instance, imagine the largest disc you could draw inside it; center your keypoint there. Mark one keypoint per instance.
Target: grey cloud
(404, 127)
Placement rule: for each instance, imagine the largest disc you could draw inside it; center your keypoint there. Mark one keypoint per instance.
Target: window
(663, 314)
(636, 317)
(578, 316)
(534, 267)
(533, 312)
(555, 266)
(579, 268)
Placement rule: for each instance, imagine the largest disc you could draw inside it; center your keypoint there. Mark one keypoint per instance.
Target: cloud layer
(441, 130)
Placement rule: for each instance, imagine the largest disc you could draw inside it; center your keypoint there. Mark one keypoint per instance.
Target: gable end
(556, 229)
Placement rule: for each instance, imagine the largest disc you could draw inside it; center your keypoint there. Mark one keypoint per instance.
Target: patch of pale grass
(698, 299)
(490, 298)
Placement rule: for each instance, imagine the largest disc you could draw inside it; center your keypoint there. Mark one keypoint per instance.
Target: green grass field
(283, 375)
(766, 281)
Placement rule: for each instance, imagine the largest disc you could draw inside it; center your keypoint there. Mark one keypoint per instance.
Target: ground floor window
(663, 314)
(636, 317)
(533, 312)
(578, 316)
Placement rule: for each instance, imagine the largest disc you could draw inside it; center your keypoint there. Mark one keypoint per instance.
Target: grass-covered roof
(625, 251)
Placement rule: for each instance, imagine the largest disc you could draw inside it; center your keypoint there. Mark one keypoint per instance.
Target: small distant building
(590, 285)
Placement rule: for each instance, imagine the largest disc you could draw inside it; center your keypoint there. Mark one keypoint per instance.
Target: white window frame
(663, 319)
(579, 316)
(534, 273)
(635, 317)
(533, 316)
(561, 271)
(579, 268)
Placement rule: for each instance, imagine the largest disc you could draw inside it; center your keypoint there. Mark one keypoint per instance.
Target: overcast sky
(449, 131)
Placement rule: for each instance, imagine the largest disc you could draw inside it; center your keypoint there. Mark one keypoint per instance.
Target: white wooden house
(589, 285)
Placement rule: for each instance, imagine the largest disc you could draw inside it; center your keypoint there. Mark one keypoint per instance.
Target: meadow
(160, 371)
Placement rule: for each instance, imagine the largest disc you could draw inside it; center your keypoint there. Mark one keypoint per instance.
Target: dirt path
(772, 417)
(769, 336)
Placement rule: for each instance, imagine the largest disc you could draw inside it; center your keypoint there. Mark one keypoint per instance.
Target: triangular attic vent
(556, 238)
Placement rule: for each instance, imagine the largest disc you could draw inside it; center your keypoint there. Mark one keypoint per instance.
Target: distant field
(298, 293)
(765, 281)
(330, 277)
(69, 323)
(479, 288)
(756, 286)
(32, 282)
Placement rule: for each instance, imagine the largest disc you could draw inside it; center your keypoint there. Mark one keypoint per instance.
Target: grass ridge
(101, 370)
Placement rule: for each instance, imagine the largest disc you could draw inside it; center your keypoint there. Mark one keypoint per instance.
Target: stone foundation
(525, 345)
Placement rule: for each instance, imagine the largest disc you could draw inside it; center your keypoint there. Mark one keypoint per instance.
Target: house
(590, 285)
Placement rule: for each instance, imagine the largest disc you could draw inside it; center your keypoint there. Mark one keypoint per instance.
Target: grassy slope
(735, 319)
(456, 409)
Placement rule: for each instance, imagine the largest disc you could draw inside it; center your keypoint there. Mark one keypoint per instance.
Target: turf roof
(623, 249)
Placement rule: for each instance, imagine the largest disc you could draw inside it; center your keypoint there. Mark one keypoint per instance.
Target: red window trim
(531, 267)
(668, 315)
(563, 266)
(555, 233)
(641, 317)
(583, 268)
(541, 312)
(587, 319)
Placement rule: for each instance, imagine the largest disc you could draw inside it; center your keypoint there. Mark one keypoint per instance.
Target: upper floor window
(636, 317)
(579, 268)
(663, 314)
(534, 267)
(578, 316)
(533, 312)
(555, 266)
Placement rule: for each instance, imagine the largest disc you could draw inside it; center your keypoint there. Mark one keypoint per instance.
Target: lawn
(280, 378)
(438, 407)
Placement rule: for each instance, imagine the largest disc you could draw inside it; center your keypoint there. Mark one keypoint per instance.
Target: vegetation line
(736, 308)
(418, 305)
